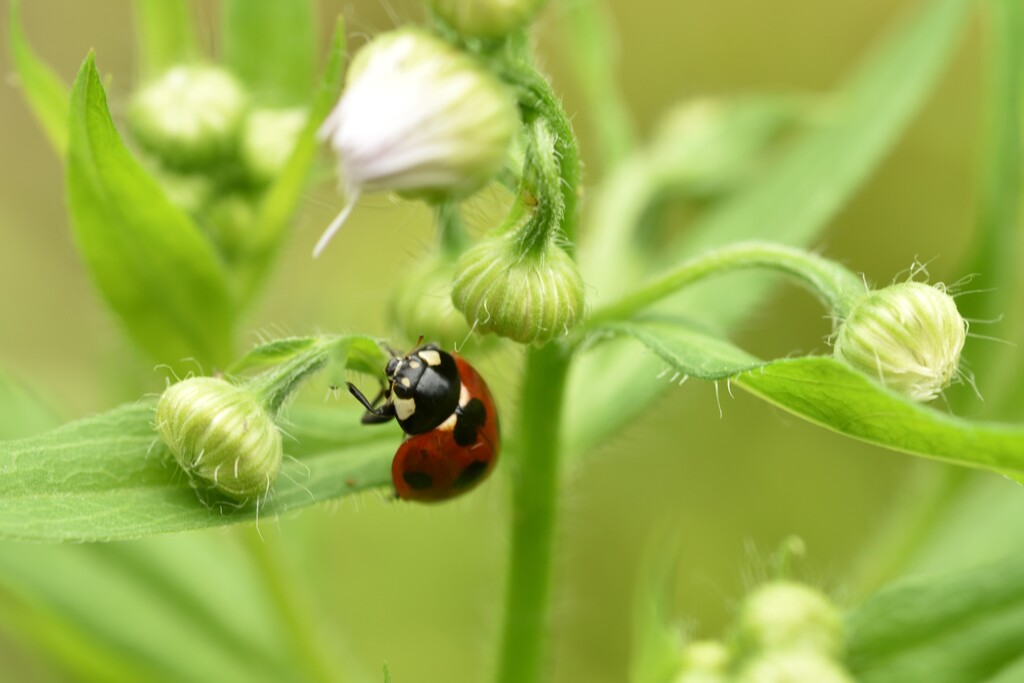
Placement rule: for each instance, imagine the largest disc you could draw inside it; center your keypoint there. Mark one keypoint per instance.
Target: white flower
(417, 117)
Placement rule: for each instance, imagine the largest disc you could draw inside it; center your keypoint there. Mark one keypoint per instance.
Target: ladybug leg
(374, 414)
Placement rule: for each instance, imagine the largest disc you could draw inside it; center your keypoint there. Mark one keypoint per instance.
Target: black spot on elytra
(469, 419)
(418, 481)
(473, 471)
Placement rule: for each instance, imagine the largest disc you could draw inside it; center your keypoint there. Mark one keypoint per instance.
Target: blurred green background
(420, 587)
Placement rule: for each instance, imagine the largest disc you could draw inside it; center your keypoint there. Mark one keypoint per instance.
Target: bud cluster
(786, 632)
(205, 140)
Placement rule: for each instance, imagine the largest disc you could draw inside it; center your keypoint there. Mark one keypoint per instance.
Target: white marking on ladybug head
(413, 363)
(430, 356)
(405, 382)
(404, 408)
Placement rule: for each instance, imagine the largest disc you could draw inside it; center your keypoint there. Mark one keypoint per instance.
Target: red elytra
(433, 466)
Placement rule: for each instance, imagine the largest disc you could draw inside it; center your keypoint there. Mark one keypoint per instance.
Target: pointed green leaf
(45, 92)
(831, 394)
(150, 262)
(165, 34)
(271, 45)
(962, 628)
(998, 247)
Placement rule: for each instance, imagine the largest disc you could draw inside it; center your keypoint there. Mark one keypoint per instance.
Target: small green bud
(229, 220)
(222, 437)
(418, 117)
(485, 18)
(703, 661)
(268, 139)
(189, 117)
(794, 666)
(423, 305)
(188, 191)
(784, 615)
(908, 335)
(530, 298)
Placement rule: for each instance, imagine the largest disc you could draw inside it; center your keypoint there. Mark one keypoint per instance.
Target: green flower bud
(228, 220)
(190, 116)
(784, 615)
(908, 335)
(423, 305)
(268, 139)
(418, 117)
(530, 298)
(795, 666)
(188, 191)
(222, 437)
(485, 18)
(703, 661)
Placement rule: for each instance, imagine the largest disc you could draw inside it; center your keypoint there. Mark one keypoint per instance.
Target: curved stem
(534, 516)
(836, 286)
(538, 100)
(542, 177)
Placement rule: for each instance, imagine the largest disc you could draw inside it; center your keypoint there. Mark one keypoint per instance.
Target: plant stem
(274, 386)
(304, 636)
(534, 513)
(453, 237)
(836, 286)
(538, 100)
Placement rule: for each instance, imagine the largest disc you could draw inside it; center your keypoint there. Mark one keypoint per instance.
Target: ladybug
(445, 407)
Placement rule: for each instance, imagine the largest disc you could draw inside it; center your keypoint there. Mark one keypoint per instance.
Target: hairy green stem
(836, 286)
(274, 386)
(535, 505)
(538, 100)
(542, 177)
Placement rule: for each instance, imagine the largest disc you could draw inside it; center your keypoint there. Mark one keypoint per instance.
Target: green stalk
(304, 636)
(534, 515)
(837, 287)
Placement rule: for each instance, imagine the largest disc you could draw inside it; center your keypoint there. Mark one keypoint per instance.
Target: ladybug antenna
(415, 346)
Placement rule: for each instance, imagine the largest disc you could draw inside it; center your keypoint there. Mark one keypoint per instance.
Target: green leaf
(165, 35)
(284, 195)
(831, 394)
(791, 202)
(591, 49)
(997, 250)
(46, 93)
(961, 628)
(108, 478)
(271, 45)
(150, 262)
(204, 608)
